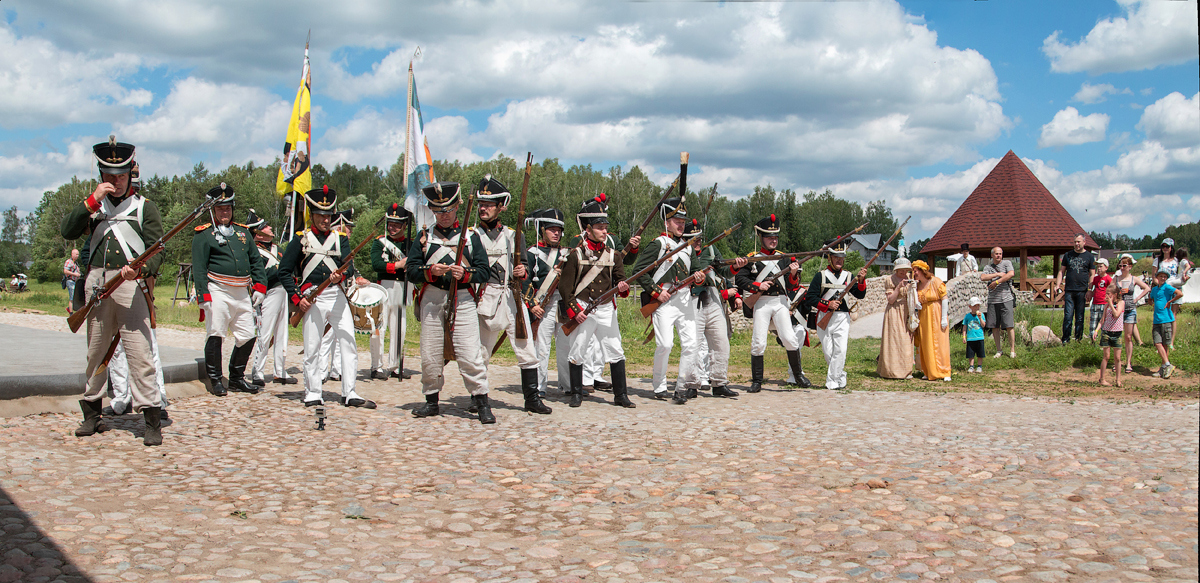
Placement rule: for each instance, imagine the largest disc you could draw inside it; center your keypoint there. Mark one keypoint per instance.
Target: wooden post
(1024, 269)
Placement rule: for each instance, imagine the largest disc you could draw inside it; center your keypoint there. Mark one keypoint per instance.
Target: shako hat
(321, 201)
(768, 226)
(222, 193)
(692, 229)
(441, 194)
(397, 213)
(673, 208)
(113, 157)
(838, 250)
(344, 218)
(546, 218)
(255, 222)
(492, 190)
(593, 212)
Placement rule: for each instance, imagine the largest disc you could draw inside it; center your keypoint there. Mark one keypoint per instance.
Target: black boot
(756, 374)
(680, 397)
(93, 418)
(576, 384)
(620, 389)
(692, 393)
(429, 409)
(485, 410)
(237, 368)
(529, 384)
(797, 372)
(723, 391)
(212, 365)
(153, 434)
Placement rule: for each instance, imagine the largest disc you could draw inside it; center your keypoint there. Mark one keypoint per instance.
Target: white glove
(205, 305)
(945, 323)
(257, 298)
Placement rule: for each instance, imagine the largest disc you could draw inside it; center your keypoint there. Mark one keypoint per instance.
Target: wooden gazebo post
(1024, 269)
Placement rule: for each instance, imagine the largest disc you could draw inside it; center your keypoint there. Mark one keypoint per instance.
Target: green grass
(860, 361)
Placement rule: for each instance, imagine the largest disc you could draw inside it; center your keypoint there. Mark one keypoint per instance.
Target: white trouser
(593, 368)
(118, 376)
(229, 311)
(712, 333)
(548, 330)
(677, 314)
(391, 325)
(801, 333)
(600, 328)
(331, 307)
(468, 351)
(273, 325)
(498, 313)
(834, 340)
(331, 353)
(768, 310)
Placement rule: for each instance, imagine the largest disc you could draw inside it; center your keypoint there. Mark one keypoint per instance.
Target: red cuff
(429, 275)
(823, 306)
(260, 288)
(296, 299)
(760, 284)
(91, 204)
(624, 295)
(466, 278)
(574, 310)
(862, 285)
(391, 268)
(207, 298)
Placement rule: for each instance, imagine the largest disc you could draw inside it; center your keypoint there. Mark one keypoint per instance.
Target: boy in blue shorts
(1162, 294)
(972, 325)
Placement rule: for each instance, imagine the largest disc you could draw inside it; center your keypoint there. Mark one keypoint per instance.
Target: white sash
(446, 247)
(605, 260)
(830, 286)
(321, 253)
(117, 219)
(668, 245)
(769, 269)
(498, 250)
(390, 250)
(552, 261)
(271, 256)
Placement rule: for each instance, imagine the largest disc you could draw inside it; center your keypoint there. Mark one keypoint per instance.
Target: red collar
(545, 245)
(402, 237)
(594, 246)
(320, 233)
(766, 252)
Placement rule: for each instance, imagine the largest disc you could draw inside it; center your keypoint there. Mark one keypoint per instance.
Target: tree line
(807, 220)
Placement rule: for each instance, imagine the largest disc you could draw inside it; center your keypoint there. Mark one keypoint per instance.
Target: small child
(1097, 294)
(1162, 294)
(1111, 324)
(973, 335)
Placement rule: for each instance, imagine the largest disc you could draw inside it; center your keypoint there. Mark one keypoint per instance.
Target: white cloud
(1152, 34)
(1173, 121)
(47, 86)
(1068, 128)
(1089, 93)
(26, 176)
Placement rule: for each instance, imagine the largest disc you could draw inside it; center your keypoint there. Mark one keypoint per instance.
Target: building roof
(871, 242)
(1011, 209)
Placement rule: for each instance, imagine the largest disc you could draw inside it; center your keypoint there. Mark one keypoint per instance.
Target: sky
(911, 102)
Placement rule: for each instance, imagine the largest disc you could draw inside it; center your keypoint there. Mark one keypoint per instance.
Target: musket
(753, 298)
(522, 331)
(683, 162)
(570, 325)
(654, 303)
(452, 301)
(314, 292)
(555, 277)
(823, 321)
(78, 317)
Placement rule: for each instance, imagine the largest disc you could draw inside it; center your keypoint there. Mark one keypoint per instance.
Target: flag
(294, 173)
(418, 163)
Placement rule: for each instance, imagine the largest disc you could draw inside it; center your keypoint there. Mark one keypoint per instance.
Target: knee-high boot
(576, 384)
(797, 372)
(529, 389)
(485, 409)
(153, 435)
(619, 388)
(237, 368)
(212, 365)
(756, 374)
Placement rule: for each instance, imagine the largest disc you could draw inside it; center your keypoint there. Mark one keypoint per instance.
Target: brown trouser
(125, 311)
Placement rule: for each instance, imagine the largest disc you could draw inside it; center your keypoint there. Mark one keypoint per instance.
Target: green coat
(650, 253)
(108, 253)
(382, 259)
(236, 256)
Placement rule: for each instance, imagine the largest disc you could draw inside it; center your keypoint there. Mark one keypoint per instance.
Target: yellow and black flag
(294, 174)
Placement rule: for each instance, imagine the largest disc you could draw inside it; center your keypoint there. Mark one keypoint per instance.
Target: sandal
(1128, 370)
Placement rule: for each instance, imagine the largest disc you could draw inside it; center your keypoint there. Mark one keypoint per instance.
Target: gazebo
(1011, 209)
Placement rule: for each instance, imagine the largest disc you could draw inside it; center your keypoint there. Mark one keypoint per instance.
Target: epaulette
(752, 254)
(202, 227)
(242, 226)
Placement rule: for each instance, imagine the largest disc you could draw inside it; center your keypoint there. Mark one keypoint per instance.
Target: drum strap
(271, 257)
(391, 252)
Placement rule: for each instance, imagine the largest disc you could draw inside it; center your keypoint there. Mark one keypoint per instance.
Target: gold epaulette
(202, 227)
(242, 226)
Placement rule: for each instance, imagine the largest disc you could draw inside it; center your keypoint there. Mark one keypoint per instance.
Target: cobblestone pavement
(778, 486)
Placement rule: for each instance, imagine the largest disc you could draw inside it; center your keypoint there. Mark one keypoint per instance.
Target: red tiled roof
(1011, 209)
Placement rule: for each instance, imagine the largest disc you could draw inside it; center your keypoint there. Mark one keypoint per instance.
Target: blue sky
(911, 102)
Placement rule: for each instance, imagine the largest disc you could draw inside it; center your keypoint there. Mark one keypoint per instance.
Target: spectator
(896, 349)
(1185, 273)
(1096, 295)
(932, 337)
(1125, 283)
(972, 326)
(1078, 268)
(1162, 294)
(963, 260)
(1112, 320)
(71, 274)
(1001, 299)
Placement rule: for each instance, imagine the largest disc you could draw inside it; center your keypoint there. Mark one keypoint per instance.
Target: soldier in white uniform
(836, 336)
(331, 352)
(547, 257)
(311, 257)
(773, 306)
(271, 309)
(389, 256)
(712, 322)
(677, 311)
(433, 263)
(498, 308)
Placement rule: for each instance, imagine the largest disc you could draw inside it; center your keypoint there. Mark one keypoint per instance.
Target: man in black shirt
(1079, 267)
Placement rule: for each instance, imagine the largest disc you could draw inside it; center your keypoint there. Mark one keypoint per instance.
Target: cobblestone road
(779, 486)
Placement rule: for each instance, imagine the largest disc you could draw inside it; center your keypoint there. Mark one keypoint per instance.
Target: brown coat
(573, 271)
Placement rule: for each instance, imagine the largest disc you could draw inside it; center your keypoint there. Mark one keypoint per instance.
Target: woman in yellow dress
(932, 337)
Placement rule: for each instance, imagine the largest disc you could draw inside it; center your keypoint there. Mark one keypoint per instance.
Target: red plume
(772, 218)
(602, 197)
(325, 188)
(695, 222)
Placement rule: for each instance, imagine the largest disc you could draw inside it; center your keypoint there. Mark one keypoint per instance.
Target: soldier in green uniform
(712, 322)
(389, 256)
(122, 226)
(271, 309)
(226, 266)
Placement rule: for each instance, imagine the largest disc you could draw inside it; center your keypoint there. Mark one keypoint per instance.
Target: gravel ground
(777, 486)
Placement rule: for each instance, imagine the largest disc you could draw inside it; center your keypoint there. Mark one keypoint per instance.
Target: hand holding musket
(452, 301)
(654, 303)
(570, 325)
(823, 321)
(313, 292)
(78, 317)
